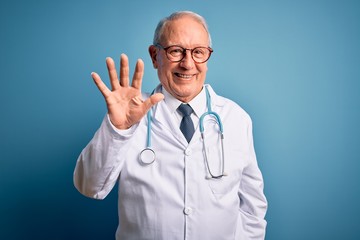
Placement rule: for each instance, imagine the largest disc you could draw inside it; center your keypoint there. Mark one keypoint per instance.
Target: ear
(153, 55)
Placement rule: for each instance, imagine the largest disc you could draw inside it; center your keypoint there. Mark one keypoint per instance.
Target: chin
(187, 94)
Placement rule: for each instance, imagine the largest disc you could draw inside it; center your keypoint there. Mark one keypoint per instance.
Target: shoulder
(227, 107)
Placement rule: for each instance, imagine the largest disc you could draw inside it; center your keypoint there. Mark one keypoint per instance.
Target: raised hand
(124, 103)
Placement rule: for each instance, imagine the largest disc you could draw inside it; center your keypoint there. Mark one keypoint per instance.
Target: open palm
(124, 103)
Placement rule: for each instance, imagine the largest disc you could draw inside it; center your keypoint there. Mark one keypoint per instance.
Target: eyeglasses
(176, 53)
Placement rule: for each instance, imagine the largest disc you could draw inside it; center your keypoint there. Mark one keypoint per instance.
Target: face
(184, 79)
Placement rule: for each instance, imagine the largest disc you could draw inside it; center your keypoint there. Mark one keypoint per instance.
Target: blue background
(294, 66)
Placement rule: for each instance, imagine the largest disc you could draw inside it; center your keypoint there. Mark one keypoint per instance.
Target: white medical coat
(171, 198)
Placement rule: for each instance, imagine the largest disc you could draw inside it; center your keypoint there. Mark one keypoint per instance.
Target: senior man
(183, 156)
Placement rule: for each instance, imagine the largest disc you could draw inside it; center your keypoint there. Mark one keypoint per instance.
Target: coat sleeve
(253, 204)
(99, 164)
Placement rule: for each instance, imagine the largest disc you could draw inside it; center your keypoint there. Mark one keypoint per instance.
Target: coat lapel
(162, 121)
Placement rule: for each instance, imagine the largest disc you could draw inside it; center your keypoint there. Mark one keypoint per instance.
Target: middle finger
(124, 70)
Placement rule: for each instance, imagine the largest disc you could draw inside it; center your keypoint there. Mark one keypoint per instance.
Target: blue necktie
(186, 125)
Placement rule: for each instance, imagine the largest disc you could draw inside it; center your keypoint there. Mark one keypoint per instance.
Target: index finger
(138, 74)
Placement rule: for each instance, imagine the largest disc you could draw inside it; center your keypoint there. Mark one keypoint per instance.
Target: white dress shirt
(198, 104)
(172, 198)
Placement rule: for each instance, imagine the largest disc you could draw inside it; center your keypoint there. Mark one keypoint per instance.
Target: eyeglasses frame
(184, 52)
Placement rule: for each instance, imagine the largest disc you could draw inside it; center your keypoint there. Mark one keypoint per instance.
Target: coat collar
(161, 113)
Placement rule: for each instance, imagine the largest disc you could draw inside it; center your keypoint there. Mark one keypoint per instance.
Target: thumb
(152, 100)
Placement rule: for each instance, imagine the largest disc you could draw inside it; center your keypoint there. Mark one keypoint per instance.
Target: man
(187, 187)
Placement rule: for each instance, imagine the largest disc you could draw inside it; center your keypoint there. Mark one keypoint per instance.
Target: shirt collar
(198, 103)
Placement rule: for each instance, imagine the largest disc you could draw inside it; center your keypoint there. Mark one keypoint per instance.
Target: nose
(187, 62)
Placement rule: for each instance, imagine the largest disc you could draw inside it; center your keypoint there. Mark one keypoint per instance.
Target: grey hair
(176, 15)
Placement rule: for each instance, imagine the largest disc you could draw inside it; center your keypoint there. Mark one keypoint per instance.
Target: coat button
(188, 210)
(188, 152)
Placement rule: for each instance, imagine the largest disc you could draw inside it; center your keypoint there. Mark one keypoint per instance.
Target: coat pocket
(234, 162)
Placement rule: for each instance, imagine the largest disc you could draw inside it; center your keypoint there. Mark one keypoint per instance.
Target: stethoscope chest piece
(147, 156)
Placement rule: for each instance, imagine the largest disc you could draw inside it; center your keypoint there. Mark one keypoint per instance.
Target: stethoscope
(147, 156)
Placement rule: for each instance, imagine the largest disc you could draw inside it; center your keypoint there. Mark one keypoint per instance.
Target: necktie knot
(186, 125)
(185, 109)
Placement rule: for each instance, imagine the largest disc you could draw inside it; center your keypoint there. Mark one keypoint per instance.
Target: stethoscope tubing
(147, 156)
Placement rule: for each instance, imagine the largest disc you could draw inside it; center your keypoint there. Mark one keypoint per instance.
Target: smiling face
(185, 79)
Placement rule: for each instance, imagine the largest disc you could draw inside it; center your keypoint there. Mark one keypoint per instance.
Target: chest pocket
(234, 162)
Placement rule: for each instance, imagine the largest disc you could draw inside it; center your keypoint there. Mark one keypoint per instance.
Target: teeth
(184, 75)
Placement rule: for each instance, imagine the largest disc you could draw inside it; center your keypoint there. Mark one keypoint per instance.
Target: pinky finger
(100, 84)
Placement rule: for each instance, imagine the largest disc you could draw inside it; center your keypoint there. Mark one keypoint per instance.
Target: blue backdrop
(294, 66)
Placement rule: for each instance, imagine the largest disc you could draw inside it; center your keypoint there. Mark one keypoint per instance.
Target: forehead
(185, 31)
